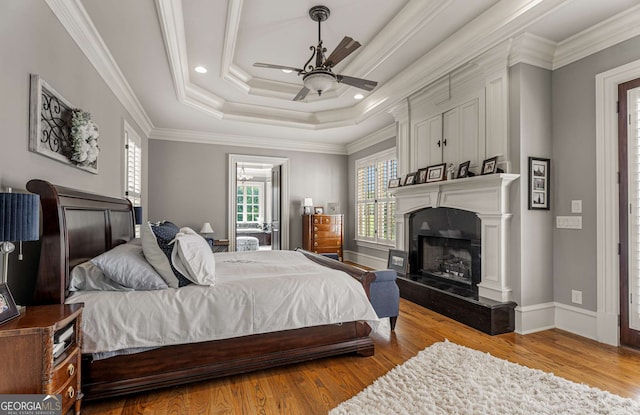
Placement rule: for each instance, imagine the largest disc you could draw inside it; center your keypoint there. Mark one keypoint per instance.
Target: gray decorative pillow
(126, 265)
(156, 257)
(88, 277)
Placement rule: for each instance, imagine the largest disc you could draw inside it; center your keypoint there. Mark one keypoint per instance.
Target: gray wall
(32, 41)
(350, 228)
(188, 183)
(574, 154)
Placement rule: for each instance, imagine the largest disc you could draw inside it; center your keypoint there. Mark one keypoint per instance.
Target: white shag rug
(449, 379)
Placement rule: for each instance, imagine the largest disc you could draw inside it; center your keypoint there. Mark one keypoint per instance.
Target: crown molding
(533, 50)
(376, 137)
(200, 137)
(74, 18)
(612, 31)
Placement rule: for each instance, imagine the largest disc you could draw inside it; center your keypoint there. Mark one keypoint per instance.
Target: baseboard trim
(534, 318)
(544, 316)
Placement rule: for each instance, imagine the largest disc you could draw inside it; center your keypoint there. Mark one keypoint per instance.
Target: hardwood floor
(318, 386)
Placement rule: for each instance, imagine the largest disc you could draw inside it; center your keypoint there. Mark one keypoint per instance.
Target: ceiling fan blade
(357, 82)
(271, 66)
(302, 94)
(345, 48)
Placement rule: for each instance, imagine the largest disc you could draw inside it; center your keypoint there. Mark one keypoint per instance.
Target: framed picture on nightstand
(8, 309)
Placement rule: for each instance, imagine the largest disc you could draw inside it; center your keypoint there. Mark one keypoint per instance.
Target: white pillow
(88, 277)
(156, 257)
(126, 265)
(192, 256)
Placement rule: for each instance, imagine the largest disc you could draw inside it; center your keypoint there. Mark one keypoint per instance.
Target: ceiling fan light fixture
(319, 81)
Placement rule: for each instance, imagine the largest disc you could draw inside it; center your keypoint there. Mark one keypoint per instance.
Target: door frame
(283, 162)
(607, 224)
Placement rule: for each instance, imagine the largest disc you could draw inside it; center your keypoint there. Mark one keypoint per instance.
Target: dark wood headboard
(76, 226)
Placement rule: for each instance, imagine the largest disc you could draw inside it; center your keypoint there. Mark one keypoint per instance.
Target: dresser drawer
(327, 220)
(66, 370)
(69, 392)
(320, 234)
(328, 250)
(333, 242)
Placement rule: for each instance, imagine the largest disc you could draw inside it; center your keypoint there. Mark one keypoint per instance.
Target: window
(376, 207)
(249, 202)
(133, 166)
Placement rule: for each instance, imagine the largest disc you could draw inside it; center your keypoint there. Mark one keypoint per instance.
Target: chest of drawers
(323, 234)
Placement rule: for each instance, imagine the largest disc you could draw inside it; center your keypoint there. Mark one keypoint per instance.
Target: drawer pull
(71, 369)
(315, 235)
(71, 392)
(315, 229)
(315, 244)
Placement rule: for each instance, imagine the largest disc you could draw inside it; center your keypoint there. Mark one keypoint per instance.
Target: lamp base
(6, 248)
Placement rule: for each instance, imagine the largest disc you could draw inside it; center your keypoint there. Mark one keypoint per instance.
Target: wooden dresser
(323, 234)
(33, 364)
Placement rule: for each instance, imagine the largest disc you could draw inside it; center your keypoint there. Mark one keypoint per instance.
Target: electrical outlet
(576, 297)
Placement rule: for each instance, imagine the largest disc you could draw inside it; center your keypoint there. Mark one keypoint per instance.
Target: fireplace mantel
(488, 197)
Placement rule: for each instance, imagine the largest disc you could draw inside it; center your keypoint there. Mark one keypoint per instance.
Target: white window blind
(375, 206)
(134, 168)
(633, 139)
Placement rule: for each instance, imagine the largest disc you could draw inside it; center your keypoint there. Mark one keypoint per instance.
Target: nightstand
(220, 245)
(41, 353)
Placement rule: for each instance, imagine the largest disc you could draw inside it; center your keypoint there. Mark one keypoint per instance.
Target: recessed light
(200, 69)
(358, 96)
(287, 70)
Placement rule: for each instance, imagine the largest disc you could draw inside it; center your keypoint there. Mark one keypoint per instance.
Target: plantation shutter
(134, 169)
(375, 221)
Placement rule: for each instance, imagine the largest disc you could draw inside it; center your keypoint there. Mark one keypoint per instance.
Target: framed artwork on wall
(539, 170)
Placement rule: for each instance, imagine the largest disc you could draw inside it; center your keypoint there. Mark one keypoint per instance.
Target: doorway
(258, 202)
(629, 214)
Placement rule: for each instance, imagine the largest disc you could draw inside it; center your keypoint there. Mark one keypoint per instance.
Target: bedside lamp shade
(206, 228)
(19, 217)
(307, 202)
(19, 221)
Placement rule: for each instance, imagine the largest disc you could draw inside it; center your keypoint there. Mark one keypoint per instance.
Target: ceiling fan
(321, 78)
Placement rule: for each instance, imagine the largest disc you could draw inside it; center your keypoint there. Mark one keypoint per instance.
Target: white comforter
(255, 292)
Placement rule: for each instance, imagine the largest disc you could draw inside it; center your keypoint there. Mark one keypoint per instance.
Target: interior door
(629, 165)
(276, 204)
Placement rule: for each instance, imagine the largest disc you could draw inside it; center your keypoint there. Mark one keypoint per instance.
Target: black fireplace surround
(445, 244)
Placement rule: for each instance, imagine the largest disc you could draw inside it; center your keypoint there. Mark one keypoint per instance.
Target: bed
(78, 226)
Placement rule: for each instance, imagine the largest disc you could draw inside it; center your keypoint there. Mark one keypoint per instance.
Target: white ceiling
(155, 44)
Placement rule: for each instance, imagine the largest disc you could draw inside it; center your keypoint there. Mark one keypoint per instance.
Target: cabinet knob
(315, 229)
(315, 235)
(315, 244)
(71, 369)
(71, 392)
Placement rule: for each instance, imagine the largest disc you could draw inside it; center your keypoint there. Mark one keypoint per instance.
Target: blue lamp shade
(137, 213)
(19, 217)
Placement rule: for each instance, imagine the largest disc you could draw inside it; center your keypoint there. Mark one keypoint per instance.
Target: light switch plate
(576, 206)
(569, 222)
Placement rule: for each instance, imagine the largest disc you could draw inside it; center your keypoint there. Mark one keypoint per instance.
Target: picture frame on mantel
(539, 183)
(436, 172)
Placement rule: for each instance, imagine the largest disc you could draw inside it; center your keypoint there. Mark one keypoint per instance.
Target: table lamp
(19, 221)
(307, 203)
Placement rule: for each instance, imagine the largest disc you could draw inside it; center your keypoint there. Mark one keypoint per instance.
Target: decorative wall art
(59, 131)
(539, 169)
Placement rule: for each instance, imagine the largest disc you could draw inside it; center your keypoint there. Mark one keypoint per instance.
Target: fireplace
(456, 233)
(450, 258)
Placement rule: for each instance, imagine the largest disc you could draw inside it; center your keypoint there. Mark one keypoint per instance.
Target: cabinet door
(469, 143)
(451, 136)
(426, 133)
